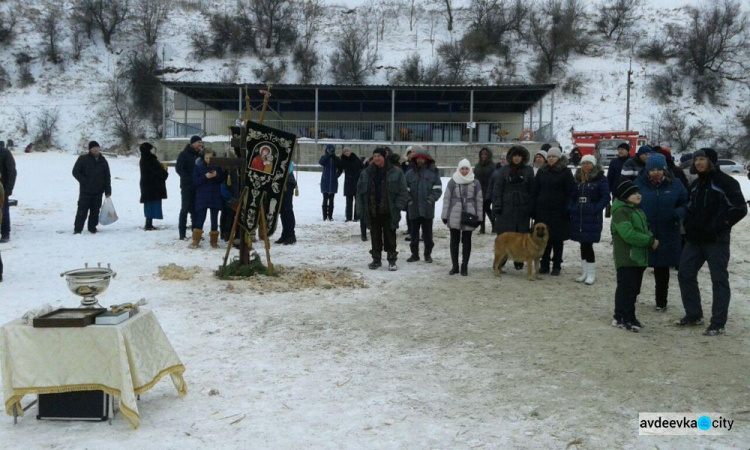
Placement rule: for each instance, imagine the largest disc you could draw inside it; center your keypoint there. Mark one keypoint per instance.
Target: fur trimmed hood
(596, 174)
(518, 150)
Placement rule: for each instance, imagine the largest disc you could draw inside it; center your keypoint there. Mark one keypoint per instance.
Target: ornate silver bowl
(89, 282)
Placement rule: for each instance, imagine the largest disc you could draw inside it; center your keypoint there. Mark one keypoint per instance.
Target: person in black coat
(92, 172)
(184, 167)
(352, 166)
(575, 156)
(615, 167)
(552, 186)
(288, 221)
(8, 179)
(153, 185)
(483, 172)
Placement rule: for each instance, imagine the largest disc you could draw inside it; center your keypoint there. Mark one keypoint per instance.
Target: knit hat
(379, 151)
(588, 159)
(554, 151)
(545, 147)
(460, 179)
(624, 145)
(686, 157)
(330, 149)
(195, 139)
(707, 153)
(542, 153)
(644, 149)
(626, 189)
(93, 144)
(146, 147)
(656, 161)
(464, 163)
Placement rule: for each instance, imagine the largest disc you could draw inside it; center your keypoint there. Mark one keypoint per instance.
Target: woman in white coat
(463, 194)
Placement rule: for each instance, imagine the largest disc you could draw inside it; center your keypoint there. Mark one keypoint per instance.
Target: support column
(541, 108)
(184, 126)
(393, 115)
(552, 116)
(205, 131)
(471, 116)
(316, 116)
(163, 111)
(239, 104)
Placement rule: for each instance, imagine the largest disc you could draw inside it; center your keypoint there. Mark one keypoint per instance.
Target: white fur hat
(464, 163)
(588, 158)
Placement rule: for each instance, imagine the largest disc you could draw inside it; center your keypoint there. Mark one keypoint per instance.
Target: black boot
(465, 254)
(376, 260)
(149, 225)
(544, 266)
(325, 212)
(518, 265)
(428, 255)
(454, 256)
(414, 253)
(330, 211)
(281, 241)
(392, 257)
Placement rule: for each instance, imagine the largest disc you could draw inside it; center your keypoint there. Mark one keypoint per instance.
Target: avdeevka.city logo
(683, 424)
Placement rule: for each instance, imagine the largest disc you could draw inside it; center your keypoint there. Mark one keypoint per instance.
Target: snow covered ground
(417, 359)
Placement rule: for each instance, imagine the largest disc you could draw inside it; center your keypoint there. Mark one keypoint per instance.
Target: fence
(384, 131)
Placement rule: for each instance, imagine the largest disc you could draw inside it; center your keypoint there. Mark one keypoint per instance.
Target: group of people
(660, 219)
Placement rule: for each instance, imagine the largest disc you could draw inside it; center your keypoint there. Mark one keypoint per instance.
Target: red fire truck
(603, 144)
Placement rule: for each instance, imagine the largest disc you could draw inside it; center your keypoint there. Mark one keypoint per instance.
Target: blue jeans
(694, 255)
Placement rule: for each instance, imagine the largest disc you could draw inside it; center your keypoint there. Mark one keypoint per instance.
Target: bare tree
(491, 22)
(120, 113)
(433, 32)
(48, 22)
(141, 73)
(446, 8)
(106, 15)
(274, 20)
(149, 17)
(77, 42)
(304, 56)
(354, 59)
(554, 30)
(714, 44)
(455, 59)
(7, 23)
(271, 70)
(681, 134)
(414, 71)
(415, 12)
(24, 117)
(617, 17)
(46, 125)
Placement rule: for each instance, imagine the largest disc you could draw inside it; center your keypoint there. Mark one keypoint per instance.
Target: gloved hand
(445, 221)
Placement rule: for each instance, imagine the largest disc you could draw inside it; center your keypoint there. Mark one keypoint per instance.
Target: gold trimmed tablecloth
(124, 360)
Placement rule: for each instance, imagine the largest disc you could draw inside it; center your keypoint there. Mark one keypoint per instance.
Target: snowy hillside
(75, 89)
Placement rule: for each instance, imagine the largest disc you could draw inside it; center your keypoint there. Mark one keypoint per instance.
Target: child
(632, 240)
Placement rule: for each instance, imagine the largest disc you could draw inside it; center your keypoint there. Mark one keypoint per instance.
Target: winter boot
(280, 241)
(414, 252)
(555, 270)
(197, 236)
(325, 213)
(428, 255)
(454, 257)
(465, 254)
(392, 257)
(330, 212)
(214, 239)
(149, 225)
(590, 274)
(584, 272)
(544, 267)
(376, 260)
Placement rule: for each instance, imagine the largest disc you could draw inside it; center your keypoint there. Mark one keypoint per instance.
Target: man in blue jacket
(716, 205)
(185, 166)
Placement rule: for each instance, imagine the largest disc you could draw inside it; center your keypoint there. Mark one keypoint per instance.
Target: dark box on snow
(79, 405)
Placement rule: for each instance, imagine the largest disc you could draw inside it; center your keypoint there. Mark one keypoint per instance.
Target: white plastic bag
(107, 215)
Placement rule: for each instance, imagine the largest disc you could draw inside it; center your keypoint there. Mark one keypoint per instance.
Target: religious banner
(269, 154)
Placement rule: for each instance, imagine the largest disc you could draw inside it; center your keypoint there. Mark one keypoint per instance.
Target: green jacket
(630, 235)
(396, 193)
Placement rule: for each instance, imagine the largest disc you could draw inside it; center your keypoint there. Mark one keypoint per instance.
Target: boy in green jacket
(632, 240)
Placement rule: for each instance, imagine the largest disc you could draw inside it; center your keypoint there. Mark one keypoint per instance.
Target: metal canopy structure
(510, 98)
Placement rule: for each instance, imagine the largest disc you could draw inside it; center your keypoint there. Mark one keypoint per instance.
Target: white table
(123, 360)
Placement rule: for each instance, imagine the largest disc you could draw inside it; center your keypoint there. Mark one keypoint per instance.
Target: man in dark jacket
(8, 178)
(381, 196)
(482, 173)
(615, 167)
(92, 172)
(185, 166)
(352, 166)
(716, 205)
(633, 166)
(424, 186)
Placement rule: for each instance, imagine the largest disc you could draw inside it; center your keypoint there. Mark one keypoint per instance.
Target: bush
(271, 71)
(455, 60)
(306, 60)
(228, 33)
(353, 59)
(4, 79)
(574, 85)
(657, 49)
(141, 71)
(665, 86)
(23, 60)
(7, 23)
(46, 125)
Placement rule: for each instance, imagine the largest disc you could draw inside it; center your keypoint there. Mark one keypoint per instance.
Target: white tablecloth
(124, 360)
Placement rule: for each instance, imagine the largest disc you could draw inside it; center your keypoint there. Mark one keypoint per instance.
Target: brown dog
(521, 247)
